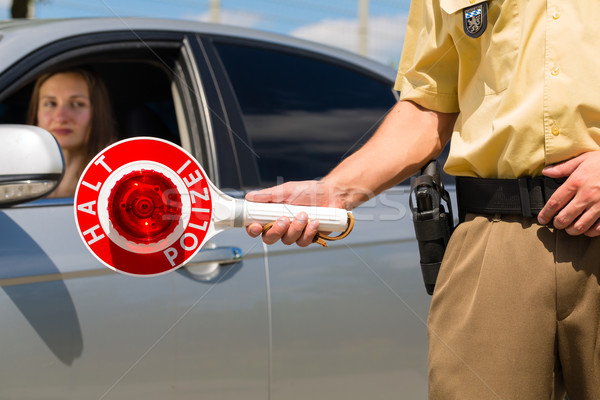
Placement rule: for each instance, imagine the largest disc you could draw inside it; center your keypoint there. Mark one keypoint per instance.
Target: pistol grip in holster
(433, 223)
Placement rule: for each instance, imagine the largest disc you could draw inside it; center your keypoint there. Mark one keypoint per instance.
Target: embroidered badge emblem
(475, 20)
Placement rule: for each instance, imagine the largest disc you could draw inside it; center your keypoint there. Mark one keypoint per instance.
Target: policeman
(514, 86)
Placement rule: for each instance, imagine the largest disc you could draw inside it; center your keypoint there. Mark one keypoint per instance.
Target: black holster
(433, 222)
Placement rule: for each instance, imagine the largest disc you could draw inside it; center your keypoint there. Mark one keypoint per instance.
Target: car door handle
(206, 264)
(219, 255)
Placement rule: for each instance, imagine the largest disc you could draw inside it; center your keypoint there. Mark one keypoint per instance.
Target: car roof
(20, 37)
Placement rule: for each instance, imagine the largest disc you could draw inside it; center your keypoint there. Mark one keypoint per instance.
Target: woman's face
(64, 109)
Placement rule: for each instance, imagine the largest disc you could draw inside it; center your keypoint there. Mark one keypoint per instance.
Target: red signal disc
(143, 206)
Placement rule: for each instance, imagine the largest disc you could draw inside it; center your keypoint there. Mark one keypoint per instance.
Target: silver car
(241, 320)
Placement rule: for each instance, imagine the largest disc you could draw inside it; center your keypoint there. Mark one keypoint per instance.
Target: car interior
(140, 91)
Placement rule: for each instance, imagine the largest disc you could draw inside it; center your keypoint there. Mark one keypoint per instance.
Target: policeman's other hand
(575, 205)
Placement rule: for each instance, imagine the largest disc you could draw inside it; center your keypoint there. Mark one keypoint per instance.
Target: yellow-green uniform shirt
(527, 89)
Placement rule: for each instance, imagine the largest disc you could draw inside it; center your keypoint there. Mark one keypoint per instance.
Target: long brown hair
(103, 126)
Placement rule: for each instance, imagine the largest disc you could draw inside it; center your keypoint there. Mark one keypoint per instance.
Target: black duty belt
(524, 196)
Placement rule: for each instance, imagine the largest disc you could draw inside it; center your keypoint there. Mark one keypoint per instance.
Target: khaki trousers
(515, 314)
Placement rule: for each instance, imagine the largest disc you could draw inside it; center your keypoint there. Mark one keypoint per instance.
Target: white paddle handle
(330, 219)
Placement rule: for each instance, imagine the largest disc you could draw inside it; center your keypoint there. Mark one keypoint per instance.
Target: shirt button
(555, 71)
(556, 14)
(555, 130)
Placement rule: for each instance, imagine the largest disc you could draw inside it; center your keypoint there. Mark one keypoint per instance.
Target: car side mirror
(31, 164)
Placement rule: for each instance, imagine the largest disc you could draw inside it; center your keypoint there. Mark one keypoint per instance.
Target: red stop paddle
(144, 207)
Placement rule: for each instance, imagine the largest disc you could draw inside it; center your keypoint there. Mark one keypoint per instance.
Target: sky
(333, 22)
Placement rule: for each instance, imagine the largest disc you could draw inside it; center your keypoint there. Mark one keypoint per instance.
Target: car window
(141, 109)
(303, 115)
(142, 99)
(139, 85)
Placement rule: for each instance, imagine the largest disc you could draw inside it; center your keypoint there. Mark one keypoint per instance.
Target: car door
(74, 329)
(348, 321)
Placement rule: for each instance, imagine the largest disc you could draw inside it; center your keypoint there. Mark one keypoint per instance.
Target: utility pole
(215, 11)
(22, 9)
(363, 34)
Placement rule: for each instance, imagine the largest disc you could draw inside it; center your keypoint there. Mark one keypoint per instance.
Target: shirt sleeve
(428, 71)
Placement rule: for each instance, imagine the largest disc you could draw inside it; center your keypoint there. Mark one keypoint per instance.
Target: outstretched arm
(409, 136)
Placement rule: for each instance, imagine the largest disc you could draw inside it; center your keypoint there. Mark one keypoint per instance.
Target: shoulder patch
(475, 20)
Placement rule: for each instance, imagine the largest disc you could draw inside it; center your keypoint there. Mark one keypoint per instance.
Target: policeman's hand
(299, 230)
(575, 206)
